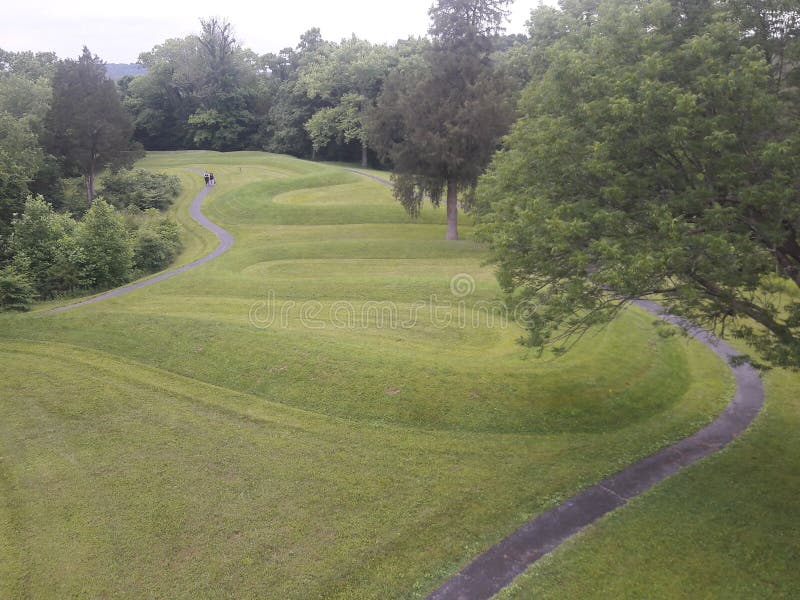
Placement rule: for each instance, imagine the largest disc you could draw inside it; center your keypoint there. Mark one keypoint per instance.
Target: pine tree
(88, 127)
(441, 114)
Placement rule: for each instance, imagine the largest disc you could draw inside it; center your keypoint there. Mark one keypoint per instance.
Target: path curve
(375, 177)
(499, 565)
(225, 243)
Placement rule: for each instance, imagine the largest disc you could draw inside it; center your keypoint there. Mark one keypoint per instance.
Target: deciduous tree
(657, 156)
(348, 76)
(39, 247)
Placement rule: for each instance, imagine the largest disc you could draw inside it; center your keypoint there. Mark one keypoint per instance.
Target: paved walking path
(375, 177)
(497, 567)
(225, 243)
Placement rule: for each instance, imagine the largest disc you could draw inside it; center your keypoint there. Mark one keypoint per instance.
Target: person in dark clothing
(211, 179)
(207, 177)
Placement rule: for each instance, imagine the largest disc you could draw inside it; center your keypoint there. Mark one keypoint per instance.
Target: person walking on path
(211, 179)
(207, 177)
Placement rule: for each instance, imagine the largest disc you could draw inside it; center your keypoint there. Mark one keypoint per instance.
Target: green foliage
(162, 100)
(477, 21)
(203, 91)
(218, 130)
(87, 125)
(634, 172)
(322, 127)
(140, 189)
(290, 110)
(206, 91)
(352, 66)
(60, 256)
(441, 113)
(40, 247)
(25, 99)
(107, 248)
(20, 155)
(33, 66)
(49, 183)
(348, 76)
(292, 107)
(20, 159)
(156, 244)
(16, 290)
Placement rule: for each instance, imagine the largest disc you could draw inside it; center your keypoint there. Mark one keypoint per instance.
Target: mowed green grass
(726, 528)
(313, 414)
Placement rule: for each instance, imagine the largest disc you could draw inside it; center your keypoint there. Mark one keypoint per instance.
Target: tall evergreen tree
(441, 115)
(87, 125)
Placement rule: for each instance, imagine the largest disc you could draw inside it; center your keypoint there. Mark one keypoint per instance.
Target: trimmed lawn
(313, 414)
(726, 528)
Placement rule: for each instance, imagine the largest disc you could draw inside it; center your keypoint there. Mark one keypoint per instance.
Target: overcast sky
(117, 31)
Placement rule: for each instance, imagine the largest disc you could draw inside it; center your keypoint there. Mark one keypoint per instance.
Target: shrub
(156, 244)
(36, 242)
(140, 189)
(16, 290)
(107, 249)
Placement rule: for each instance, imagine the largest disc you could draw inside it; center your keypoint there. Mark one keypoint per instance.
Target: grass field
(293, 421)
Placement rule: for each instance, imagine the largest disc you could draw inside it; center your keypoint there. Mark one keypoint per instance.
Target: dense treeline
(342, 100)
(207, 92)
(64, 119)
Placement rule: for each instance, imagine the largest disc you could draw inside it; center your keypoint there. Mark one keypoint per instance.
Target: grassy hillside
(301, 418)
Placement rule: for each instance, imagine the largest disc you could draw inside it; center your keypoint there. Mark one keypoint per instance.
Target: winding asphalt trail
(225, 243)
(497, 567)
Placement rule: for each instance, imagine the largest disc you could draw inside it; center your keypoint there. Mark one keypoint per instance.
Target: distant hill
(117, 71)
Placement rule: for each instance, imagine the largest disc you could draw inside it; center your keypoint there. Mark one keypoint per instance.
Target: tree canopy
(87, 125)
(203, 91)
(657, 156)
(25, 94)
(348, 77)
(442, 111)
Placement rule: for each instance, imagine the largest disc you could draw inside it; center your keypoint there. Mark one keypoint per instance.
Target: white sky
(118, 30)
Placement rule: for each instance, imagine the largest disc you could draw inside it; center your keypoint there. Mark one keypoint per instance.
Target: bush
(56, 254)
(36, 242)
(140, 189)
(156, 244)
(16, 290)
(106, 245)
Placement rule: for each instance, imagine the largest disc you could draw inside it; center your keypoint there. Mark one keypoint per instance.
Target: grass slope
(160, 444)
(727, 528)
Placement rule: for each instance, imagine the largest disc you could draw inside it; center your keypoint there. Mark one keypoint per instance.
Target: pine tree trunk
(364, 156)
(452, 211)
